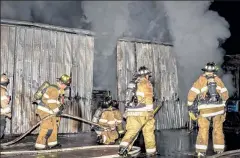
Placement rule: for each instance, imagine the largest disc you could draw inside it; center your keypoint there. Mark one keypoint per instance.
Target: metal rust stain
(32, 54)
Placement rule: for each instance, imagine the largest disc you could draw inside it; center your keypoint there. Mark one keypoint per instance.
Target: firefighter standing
(211, 95)
(110, 117)
(51, 102)
(5, 107)
(139, 112)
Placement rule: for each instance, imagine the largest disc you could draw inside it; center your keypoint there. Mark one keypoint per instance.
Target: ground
(170, 144)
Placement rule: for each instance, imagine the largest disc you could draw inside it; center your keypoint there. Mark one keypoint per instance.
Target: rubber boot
(41, 149)
(219, 152)
(201, 154)
(57, 146)
(99, 139)
(121, 152)
(148, 155)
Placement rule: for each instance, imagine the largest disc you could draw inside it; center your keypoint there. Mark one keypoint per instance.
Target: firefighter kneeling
(108, 116)
(50, 99)
(211, 95)
(138, 113)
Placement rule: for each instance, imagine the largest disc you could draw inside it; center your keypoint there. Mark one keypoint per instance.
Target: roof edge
(129, 39)
(47, 26)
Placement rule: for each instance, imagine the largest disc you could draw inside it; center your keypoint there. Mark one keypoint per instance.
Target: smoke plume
(196, 32)
(113, 20)
(228, 81)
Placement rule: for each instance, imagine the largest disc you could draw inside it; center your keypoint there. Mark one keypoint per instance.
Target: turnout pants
(134, 123)
(217, 134)
(48, 133)
(109, 137)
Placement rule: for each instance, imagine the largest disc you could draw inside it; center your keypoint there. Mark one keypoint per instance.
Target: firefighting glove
(61, 108)
(59, 113)
(192, 116)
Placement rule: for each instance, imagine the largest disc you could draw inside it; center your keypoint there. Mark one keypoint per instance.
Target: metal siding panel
(89, 55)
(121, 77)
(27, 107)
(35, 71)
(67, 63)
(125, 68)
(44, 67)
(81, 78)
(44, 55)
(4, 48)
(7, 60)
(157, 77)
(18, 98)
(4, 59)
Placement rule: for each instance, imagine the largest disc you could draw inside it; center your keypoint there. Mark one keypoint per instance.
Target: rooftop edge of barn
(47, 27)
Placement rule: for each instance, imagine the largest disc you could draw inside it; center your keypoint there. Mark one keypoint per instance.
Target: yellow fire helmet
(65, 79)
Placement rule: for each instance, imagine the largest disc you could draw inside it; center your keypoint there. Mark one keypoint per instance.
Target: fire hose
(45, 118)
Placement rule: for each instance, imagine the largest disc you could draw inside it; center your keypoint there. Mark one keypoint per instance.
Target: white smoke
(114, 19)
(228, 81)
(60, 13)
(197, 33)
(109, 21)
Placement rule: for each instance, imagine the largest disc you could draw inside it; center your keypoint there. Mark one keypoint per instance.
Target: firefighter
(138, 111)
(5, 107)
(211, 95)
(111, 117)
(51, 102)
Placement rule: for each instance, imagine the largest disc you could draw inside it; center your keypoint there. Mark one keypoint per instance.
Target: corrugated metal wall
(31, 55)
(160, 59)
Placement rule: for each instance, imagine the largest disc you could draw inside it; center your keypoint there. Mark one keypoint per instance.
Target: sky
(230, 11)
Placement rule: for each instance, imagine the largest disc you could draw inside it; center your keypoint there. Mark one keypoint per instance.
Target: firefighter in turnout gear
(51, 102)
(5, 107)
(110, 117)
(211, 95)
(139, 112)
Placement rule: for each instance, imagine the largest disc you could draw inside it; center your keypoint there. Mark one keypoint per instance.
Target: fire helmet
(143, 70)
(65, 79)
(210, 67)
(4, 79)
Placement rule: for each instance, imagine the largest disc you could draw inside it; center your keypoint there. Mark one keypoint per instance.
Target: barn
(32, 53)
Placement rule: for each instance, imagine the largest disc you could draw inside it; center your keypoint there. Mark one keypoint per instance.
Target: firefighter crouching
(139, 112)
(50, 101)
(211, 94)
(109, 116)
(5, 107)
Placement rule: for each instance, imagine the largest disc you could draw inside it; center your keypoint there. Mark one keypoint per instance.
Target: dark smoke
(196, 31)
